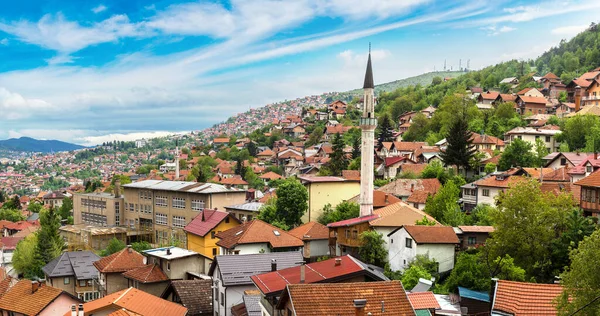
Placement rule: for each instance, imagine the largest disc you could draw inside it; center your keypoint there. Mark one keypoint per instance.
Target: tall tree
(386, 129)
(289, 206)
(517, 154)
(356, 147)
(24, 258)
(50, 244)
(460, 150)
(338, 160)
(65, 209)
(372, 249)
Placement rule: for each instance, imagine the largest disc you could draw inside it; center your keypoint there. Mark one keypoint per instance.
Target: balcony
(368, 122)
(591, 98)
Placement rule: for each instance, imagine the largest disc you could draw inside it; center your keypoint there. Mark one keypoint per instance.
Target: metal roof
(237, 269)
(474, 295)
(250, 206)
(175, 253)
(74, 263)
(182, 186)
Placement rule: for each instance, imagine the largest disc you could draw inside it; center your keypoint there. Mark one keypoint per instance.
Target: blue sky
(88, 71)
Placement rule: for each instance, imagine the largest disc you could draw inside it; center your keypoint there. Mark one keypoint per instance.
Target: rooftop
(236, 270)
(249, 207)
(423, 300)
(124, 260)
(136, 301)
(310, 231)
(521, 298)
(206, 221)
(170, 253)
(73, 263)
(151, 273)
(20, 298)
(181, 186)
(257, 231)
(196, 295)
(430, 234)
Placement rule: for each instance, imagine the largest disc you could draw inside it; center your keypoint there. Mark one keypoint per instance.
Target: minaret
(176, 160)
(367, 125)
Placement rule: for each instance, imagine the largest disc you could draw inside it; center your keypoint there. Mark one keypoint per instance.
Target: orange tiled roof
(19, 298)
(338, 298)
(398, 214)
(135, 301)
(417, 168)
(521, 298)
(257, 231)
(593, 180)
(149, 274)
(271, 176)
(477, 229)
(432, 234)
(423, 300)
(124, 260)
(537, 100)
(418, 197)
(310, 231)
(492, 182)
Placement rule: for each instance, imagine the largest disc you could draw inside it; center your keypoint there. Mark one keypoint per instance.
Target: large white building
(530, 134)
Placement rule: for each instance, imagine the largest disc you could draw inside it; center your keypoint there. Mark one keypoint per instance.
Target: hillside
(28, 144)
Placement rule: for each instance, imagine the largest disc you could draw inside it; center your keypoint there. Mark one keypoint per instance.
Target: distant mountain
(28, 144)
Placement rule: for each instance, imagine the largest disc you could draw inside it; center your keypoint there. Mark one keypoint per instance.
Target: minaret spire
(367, 125)
(176, 160)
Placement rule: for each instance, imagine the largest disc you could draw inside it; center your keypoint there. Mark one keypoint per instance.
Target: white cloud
(4, 41)
(361, 9)
(546, 9)
(14, 106)
(99, 8)
(569, 30)
(492, 30)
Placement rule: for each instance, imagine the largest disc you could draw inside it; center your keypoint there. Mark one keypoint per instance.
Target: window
(168, 266)
(520, 137)
(137, 207)
(347, 234)
(472, 240)
(197, 205)
(82, 283)
(391, 241)
(66, 280)
(227, 219)
(214, 251)
(547, 139)
(178, 202)
(563, 161)
(160, 201)
(117, 213)
(216, 294)
(355, 234)
(222, 299)
(131, 207)
(416, 205)
(161, 219)
(178, 221)
(212, 235)
(537, 136)
(485, 192)
(408, 243)
(588, 169)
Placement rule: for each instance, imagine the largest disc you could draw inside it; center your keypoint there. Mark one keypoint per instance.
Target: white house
(436, 242)
(231, 275)
(530, 134)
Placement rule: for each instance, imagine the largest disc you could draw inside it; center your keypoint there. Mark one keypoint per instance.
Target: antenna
(369, 47)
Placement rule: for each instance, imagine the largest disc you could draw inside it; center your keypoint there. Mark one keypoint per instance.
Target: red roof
(310, 231)
(206, 221)
(124, 260)
(353, 221)
(522, 299)
(21, 300)
(136, 301)
(490, 95)
(423, 300)
(432, 234)
(271, 176)
(257, 231)
(536, 100)
(393, 160)
(148, 274)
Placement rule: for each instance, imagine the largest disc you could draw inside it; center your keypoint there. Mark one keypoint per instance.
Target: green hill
(423, 80)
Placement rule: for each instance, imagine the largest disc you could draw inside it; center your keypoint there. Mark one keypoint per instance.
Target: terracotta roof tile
(491, 181)
(257, 231)
(398, 214)
(418, 197)
(353, 175)
(423, 300)
(310, 231)
(338, 298)
(432, 234)
(271, 176)
(417, 168)
(380, 199)
(490, 95)
(19, 298)
(121, 261)
(522, 299)
(149, 274)
(136, 301)
(405, 187)
(537, 100)
(206, 221)
(477, 229)
(593, 180)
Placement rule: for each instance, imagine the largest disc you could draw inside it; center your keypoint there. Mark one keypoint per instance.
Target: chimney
(73, 310)
(176, 162)
(595, 155)
(359, 306)
(117, 188)
(302, 273)
(35, 285)
(386, 199)
(577, 98)
(412, 187)
(81, 313)
(273, 265)
(168, 251)
(338, 262)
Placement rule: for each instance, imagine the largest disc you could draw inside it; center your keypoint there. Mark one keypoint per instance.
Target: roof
(121, 261)
(236, 270)
(310, 231)
(423, 300)
(353, 221)
(485, 139)
(380, 199)
(257, 231)
(206, 221)
(477, 229)
(151, 273)
(271, 176)
(19, 298)
(399, 214)
(249, 206)
(181, 186)
(405, 187)
(492, 181)
(136, 301)
(196, 295)
(528, 99)
(272, 283)
(593, 180)
(73, 263)
(338, 298)
(521, 298)
(417, 168)
(315, 179)
(474, 295)
(170, 253)
(418, 197)
(431, 234)
(490, 95)
(369, 84)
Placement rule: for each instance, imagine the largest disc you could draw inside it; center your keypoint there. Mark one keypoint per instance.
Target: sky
(89, 71)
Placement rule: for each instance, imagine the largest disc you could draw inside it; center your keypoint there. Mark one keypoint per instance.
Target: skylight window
(276, 232)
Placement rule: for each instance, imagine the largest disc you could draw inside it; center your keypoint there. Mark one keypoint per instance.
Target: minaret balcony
(368, 122)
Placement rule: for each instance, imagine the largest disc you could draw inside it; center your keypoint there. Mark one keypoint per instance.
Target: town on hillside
(475, 195)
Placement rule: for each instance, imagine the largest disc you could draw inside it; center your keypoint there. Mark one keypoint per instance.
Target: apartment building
(99, 209)
(530, 134)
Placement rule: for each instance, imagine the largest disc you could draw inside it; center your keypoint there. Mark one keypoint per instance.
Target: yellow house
(327, 190)
(202, 229)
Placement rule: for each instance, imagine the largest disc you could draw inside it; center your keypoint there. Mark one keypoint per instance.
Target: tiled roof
(409, 146)
(338, 298)
(491, 181)
(267, 153)
(398, 214)
(196, 295)
(353, 175)
(405, 187)
(393, 160)
(233, 181)
(149, 274)
(310, 231)
(236, 270)
(121, 261)
(314, 179)
(418, 197)
(485, 139)
(508, 97)
(257, 231)
(206, 221)
(417, 168)
(136, 301)
(380, 199)
(19, 298)
(271, 176)
(79, 264)
(432, 234)
(593, 180)
(522, 299)
(271, 283)
(490, 95)
(477, 229)
(550, 76)
(353, 221)
(537, 100)
(423, 300)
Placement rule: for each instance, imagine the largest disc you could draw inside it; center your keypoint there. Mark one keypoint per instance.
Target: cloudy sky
(88, 71)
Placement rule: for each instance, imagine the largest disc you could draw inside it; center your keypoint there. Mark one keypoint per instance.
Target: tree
(49, 243)
(411, 276)
(65, 209)
(385, 127)
(577, 228)
(480, 215)
(460, 150)
(356, 146)
(114, 245)
(338, 161)
(13, 203)
(24, 258)
(490, 167)
(435, 169)
(140, 246)
(292, 202)
(34, 207)
(11, 215)
(372, 249)
(344, 210)
(581, 282)
(540, 152)
(444, 205)
(315, 137)
(517, 154)
(425, 222)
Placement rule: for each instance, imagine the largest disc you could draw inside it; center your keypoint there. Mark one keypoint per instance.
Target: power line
(586, 305)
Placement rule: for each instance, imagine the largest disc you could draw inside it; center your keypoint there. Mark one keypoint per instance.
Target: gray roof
(182, 186)
(252, 303)
(74, 263)
(237, 269)
(249, 207)
(196, 295)
(369, 74)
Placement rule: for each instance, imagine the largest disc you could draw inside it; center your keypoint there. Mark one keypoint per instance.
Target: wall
(322, 193)
(205, 245)
(180, 267)
(552, 144)
(249, 249)
(442, 253)
(384, 231)
(233, 295)
(487, 199)
(155, 289)
(317, 248)
(60, 284)
(108, 210)
(351, 241)
(115, 282)
(399, 256)
(60, 306)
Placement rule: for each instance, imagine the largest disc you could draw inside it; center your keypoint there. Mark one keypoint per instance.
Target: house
(256, 237)
(530, 134)
(219, 142)
(315, 237)
(74, 273)
(473, 236)
(404, 188)
(265, 155)
(530, 92)
(380, 199)
(521, 298)
(565, 159)
(335, 270)
(250, 305)
(475, 302)
(345, 299)
(245, 212)
(195, 295)
(231, 275)
(423, 302)
(53, 199)
(176, 262)
(270, 176)
(526, 104)
(512, 81)
(592, 96)
(490, 186)
(132, 301)
(111, 269)
(590, 188)
(488, 97)
(150, 279)
(436, 242)
(33, 298)
(390, 166)
(323, 190)
(202, 230)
